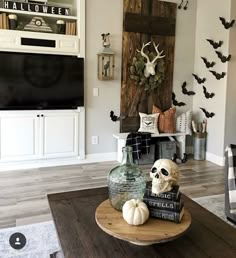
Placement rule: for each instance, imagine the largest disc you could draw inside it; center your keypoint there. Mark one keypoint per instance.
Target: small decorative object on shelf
(12, 21)
(126, 182)
(106, 60)
(37, 24)
(61, 27)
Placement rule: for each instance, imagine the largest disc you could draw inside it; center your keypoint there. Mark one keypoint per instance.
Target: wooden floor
(23, 194)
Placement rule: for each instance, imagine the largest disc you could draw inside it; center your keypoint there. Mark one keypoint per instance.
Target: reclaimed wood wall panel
(134, 99)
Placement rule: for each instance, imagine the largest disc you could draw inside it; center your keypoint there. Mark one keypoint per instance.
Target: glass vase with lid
(126, 181)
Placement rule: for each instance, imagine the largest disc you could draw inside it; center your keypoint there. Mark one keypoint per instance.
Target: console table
(74, 217)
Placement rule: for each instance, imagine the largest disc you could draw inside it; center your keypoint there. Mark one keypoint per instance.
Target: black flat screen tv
(39, 81)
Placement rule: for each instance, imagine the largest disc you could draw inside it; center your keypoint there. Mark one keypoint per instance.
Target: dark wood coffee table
(80, 236)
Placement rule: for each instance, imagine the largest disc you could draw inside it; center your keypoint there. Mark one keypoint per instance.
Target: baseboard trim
(33, 164)
(215, 159)
(100, 157)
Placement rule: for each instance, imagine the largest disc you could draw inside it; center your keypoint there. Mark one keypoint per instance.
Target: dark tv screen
(38, 81)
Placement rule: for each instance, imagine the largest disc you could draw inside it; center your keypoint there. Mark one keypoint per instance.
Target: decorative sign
(37, 24)
(38, 8)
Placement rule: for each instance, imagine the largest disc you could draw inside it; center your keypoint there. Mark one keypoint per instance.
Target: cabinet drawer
(72, 45)
(8, 41)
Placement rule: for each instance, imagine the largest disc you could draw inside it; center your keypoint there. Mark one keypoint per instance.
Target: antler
(159, 56)
(142, 53)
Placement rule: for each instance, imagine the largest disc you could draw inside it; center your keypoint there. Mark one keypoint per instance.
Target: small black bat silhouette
(185, 91)
(226, 24)
(215, 44)
(175, 102)
(198, 79)
(207, 63)
(218, 75)
(207, 114)
(223, 58)
(207, 94)
(113, 117)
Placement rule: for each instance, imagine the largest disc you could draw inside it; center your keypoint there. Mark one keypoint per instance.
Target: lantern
(106, 60)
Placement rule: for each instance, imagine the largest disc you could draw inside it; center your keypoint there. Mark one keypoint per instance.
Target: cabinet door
(19, 137)
(59, 135)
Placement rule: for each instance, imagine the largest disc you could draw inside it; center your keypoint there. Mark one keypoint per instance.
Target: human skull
(164, 174)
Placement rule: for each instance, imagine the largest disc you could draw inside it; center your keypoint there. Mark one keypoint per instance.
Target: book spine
(0, 21)
(163, 204)
(165, 215)
(170, 195)
(166, 196)
(4, 24)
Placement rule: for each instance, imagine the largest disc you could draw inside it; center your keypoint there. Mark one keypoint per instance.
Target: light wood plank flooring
(23, 193)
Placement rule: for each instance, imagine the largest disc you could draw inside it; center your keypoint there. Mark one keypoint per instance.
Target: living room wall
(107, 16)
(209, 27)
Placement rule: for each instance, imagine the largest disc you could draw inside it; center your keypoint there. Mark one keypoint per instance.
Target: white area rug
(215, 204)
(41, 241)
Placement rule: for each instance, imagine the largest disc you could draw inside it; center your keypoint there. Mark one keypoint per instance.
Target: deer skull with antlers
(150, 65)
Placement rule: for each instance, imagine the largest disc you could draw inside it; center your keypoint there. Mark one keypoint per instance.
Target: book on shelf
(165, 204)
(170, 195)
(1, 21)
(4, 21)
(167, 215)
(70, 28)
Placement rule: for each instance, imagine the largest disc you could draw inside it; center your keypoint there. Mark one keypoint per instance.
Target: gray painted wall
(101, 17)
(209, 26)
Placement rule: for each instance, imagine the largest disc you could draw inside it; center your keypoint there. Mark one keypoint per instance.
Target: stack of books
(167, 205)
(71, 28)
(4, 21)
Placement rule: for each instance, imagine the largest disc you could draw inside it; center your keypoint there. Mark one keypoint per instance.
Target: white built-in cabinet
(12, 40)
(33, 135)
(47, 134)
(19, 136)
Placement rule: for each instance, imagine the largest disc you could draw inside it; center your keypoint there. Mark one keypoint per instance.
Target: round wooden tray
(152, 232)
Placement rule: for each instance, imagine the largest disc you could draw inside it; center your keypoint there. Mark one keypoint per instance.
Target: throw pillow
(148, 123)
(166, 121)
(183, 123)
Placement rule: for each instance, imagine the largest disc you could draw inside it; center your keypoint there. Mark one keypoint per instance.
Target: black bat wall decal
(207, 63)
(223, 58)
(207, 114)
(113, 117)
(218, 75)
(175, 102)
(185, 91)
(226, 24)
(198, 79)
(215, 44)
(207, 94)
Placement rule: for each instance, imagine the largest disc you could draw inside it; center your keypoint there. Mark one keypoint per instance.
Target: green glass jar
(126, 181)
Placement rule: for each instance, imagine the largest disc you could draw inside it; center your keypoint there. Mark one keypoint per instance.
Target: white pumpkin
(135, 212)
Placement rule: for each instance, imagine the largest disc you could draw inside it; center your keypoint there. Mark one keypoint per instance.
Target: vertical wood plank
(134, 99)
